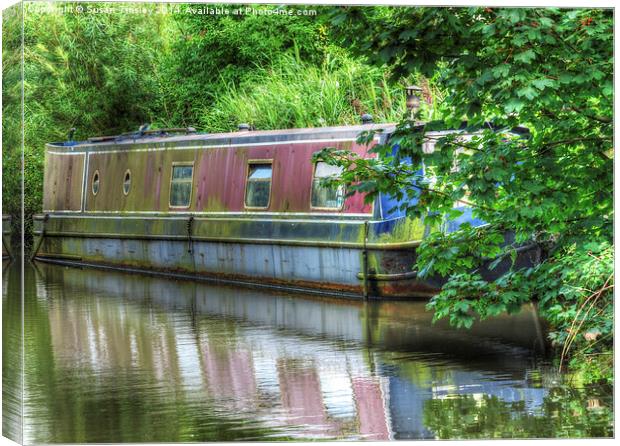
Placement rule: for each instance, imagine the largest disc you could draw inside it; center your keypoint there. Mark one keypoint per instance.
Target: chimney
(413, 99)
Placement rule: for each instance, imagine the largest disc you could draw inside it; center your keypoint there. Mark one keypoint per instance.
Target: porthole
(95, 185)
(127, 182)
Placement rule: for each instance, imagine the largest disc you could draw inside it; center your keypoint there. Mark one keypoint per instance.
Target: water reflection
(119, 358)
(11, 352)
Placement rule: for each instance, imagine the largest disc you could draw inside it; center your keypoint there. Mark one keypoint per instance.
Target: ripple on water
(114, 357)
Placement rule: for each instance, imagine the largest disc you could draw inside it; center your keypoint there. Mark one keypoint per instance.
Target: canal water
(115, 357)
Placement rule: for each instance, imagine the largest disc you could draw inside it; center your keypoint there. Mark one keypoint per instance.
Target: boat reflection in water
(148, 359)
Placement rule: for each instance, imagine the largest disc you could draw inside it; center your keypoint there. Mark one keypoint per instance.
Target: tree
(98, 73)
(549, 70)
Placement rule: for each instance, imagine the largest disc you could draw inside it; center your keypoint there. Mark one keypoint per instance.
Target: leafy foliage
(549, 70)
(11, 114)
(217, 53)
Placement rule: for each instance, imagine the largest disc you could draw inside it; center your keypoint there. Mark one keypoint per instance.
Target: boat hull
(318, 255)
(345, 257)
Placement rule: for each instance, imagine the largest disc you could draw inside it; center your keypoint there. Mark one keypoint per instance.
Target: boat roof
(183, 137)
(189, 137)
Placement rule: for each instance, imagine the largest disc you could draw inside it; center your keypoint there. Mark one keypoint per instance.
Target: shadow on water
(113, 357)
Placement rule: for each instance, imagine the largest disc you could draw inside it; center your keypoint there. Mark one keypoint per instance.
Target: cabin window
(95, 185)
(326, 197)
(258, 185)
(181, 185)
(127, 182)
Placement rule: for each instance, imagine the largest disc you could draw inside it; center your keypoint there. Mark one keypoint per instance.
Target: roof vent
(144, 128)
(243, 127)
(366, 118)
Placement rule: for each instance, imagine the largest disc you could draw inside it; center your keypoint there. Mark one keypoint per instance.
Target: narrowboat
(246, 206)
(6, 237)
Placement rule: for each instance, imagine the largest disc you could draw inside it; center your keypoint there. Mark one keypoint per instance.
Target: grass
(294, 94)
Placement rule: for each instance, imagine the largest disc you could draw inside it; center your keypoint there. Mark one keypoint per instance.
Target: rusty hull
(322, 254)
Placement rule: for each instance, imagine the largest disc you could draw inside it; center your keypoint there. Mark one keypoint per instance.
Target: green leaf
(528, 92)
(501, 70)
(514, 105)
(542, 83)
(526, 56)
(496, 309)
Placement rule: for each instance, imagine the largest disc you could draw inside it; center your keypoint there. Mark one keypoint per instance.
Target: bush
(218, 51)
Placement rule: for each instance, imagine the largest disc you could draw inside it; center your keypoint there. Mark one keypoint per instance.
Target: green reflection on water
(68, 403)
(565, 413)
(123, 358)
(11, 352)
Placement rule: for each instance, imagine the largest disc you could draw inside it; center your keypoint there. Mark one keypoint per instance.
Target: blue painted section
(67, 143)
(467, 217)
(391, 212)
(390, 205)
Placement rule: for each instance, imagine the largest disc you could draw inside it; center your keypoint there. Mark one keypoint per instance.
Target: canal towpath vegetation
(549, 70)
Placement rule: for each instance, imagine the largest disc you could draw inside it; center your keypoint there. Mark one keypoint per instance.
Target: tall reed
(293, 94)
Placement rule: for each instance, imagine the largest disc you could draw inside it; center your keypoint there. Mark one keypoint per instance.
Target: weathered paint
(361, 249)
(326, 255)
(333, 270)
(62, 179)
(322, 254)
(400, 229)
(219, 176)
